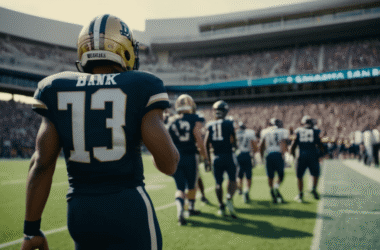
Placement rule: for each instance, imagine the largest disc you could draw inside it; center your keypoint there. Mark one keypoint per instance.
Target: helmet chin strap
(79, 66)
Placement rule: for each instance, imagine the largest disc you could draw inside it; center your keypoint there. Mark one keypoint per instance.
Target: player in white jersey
(376, 146)
(247, 146)
(273, 146)
(368, 145)
(358, 140)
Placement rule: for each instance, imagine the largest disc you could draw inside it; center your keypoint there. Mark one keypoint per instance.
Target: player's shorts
(275, 163)
(245, 165)
(307, 161)
(356, 149)
(224, 163)
(187, 172)
(124, 220)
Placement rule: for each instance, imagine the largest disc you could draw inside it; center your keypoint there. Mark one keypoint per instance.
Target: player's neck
(107, 69)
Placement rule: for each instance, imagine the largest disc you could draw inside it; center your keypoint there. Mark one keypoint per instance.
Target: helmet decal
(125, 30)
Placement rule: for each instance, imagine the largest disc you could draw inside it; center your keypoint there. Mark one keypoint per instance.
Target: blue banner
(293, 79)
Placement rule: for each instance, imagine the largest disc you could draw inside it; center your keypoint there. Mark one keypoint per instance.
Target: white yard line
(319, 222)
(346, 211)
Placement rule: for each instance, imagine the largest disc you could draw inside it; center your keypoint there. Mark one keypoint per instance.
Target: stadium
(319, 58)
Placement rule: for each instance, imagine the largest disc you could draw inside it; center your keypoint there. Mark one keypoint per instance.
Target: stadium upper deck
(165, 33)
(256, 44)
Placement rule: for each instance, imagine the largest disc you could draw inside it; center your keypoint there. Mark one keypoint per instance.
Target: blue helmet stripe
(103, 24)
(91, 29)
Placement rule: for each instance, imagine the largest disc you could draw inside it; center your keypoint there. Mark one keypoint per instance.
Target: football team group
(101, 115)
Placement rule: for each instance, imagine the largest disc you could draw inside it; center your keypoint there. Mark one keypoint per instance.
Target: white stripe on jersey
(152, 228)
(157, 97)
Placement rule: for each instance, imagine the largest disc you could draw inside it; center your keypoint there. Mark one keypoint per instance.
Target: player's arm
(158, 141)
(39, 180)
(207, 144)
(293, 148)
(262, 148)
(199, 141)
(197, 132)
(233, 139)
(321, 148)
(283, 146)
(254, 146)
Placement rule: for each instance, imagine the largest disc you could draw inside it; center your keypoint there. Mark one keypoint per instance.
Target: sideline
(57, 230)
(368, 171)
(319, 220)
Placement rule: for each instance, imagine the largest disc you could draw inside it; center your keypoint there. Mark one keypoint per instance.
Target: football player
(220, 135)
(247, 146)
(273, 146)
(201, 185)
(185, 129)
(100, 116)
(310, 150)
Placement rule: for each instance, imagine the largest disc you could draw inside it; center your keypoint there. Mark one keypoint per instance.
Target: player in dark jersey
(201, 186)
(220, 135)
(185, 129)
(100, 117)
(310, 150)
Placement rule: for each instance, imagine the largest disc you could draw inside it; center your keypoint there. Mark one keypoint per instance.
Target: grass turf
(260, 224)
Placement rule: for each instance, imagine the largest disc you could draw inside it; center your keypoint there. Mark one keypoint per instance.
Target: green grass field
(261, 224)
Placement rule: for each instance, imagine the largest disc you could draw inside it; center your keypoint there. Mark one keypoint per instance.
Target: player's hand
(34, 242)
(207, 166)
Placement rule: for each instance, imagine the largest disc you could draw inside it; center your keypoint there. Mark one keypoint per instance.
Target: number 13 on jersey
(98, 99)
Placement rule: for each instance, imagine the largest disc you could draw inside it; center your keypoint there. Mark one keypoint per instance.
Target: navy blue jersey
(220, 132)
(308, 139)
(98, 118)
(181, 129)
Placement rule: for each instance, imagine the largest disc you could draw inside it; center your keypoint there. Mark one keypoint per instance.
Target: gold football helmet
(107, 39)
(185, 104)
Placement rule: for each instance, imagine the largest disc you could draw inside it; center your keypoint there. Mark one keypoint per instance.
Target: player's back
(220, 132)
(307, 139)
(273, 137)
(98, 118)
(181, 127)
(244, 138)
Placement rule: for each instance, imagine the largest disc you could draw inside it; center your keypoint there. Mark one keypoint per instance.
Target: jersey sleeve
(42, 99)
(157, 97)
(200, 119)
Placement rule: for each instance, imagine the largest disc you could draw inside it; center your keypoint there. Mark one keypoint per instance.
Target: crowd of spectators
(298, 59)
(36, 56)
(337, 117)
(18, 129)
(274, 62)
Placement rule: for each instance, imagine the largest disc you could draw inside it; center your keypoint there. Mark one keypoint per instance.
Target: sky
(134, 13)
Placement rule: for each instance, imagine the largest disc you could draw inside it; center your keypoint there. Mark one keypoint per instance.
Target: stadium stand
(18, 129)
(313, 38)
